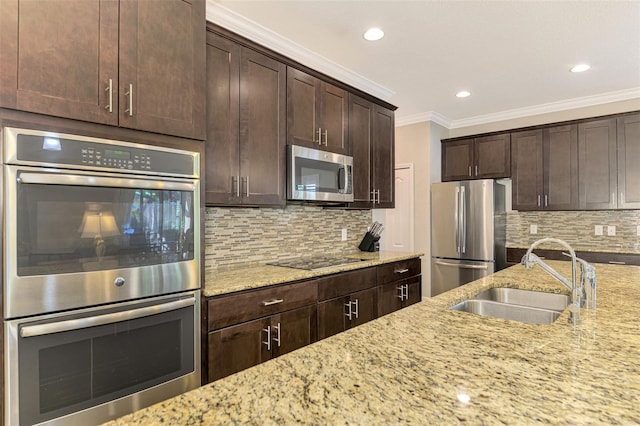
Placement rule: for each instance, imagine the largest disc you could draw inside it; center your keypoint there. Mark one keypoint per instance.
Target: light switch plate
(344, 234)
(599, 230)
(638, 230)
(533, 229)
(611, 230)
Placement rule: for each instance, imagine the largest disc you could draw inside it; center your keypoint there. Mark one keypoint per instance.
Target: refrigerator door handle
(460, 265)
(457, 219)
(463, 213)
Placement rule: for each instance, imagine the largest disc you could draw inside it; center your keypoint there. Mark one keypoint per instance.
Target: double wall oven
(101, 276)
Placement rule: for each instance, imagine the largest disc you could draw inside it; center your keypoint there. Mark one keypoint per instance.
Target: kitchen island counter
(244, 277)
(427, 364)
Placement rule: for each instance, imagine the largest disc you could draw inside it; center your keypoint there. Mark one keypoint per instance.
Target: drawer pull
(401, 271)
(272, 302)
(617, 262)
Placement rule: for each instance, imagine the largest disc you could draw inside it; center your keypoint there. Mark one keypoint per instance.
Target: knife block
(369, 243)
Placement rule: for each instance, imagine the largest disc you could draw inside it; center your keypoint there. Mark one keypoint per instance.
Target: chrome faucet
(587, 279)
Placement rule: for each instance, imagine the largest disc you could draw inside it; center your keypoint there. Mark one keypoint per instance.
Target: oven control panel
(80, 152)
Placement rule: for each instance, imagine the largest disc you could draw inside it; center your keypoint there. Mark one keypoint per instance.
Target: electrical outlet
(599, 230)
(611, 230)
(344, 234)
(533, 229)
(638, 230)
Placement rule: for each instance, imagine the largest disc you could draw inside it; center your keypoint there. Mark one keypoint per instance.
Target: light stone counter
(427, 364)
(238, 278)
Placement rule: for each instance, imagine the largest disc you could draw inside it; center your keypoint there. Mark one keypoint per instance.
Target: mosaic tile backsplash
(577, 228)
(241, 235)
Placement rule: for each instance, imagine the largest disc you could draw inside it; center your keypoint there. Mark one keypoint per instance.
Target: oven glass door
(64, 369)
(77, 223)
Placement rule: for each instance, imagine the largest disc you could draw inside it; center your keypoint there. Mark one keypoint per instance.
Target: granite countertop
(244, 277)
(577, 247)
(427, 364)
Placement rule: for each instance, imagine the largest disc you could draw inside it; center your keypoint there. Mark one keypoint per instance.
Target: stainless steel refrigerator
(468, 232)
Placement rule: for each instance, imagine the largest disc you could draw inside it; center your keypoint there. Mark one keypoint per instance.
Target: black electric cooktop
(315, 262)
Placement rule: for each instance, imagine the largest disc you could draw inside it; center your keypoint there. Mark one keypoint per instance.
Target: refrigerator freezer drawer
(447, 274)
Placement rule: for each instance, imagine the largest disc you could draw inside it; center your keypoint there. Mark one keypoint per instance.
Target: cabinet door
(223, 117)
(629, 162)
(560, 168)
(332, 317)
(58, 57)
(597, 165)
(294, 329)
(414, 290)
(262, 129)
(162, 66)
(367, 308)
(236, 348)
(333, 118)
(492, 157)
(360, 124)
(527, 170)
(383, 157)
(457, 158)
(389, 298)
(302, 104)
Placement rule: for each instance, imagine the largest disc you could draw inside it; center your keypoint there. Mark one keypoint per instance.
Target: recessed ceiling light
(580, 68)
(373, 34)
(463, 94)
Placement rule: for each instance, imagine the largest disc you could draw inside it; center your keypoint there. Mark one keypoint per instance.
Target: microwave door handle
(343, 183)
(89, 180)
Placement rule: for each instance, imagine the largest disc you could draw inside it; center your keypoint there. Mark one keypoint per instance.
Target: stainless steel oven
(101, 276)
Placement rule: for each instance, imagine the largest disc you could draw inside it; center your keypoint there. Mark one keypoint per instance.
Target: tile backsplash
(241, 235)
(577, 228)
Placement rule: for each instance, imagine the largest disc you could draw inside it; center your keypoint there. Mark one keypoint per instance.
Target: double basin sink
(532, 307)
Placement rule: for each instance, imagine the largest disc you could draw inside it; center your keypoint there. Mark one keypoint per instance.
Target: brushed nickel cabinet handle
(277, 338)
(272, 302)
(401, 295)
(129, 93)
(355, 311)
(617, 262)
(348, 313)
(538, 200)
(476, 170)
(401, 271)
(326, 137)
(546, 200)
(319, 132)
(237, 186)
(268, 341)
(109, 89)
(247, 193)
(469, 171)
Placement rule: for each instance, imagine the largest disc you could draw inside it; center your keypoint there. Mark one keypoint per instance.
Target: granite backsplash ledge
(246, 235)
(577, 228)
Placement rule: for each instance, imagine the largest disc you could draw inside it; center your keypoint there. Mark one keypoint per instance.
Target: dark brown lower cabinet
(342, 313)
(398, 294)
(238, 347)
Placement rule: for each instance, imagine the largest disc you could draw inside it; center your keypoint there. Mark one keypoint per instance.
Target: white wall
(420, 144)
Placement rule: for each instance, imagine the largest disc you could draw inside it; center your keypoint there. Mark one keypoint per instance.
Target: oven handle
(76, 324)
(82, 180)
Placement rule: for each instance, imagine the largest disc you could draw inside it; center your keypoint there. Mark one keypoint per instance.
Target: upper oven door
(75, 239)
(319, 175)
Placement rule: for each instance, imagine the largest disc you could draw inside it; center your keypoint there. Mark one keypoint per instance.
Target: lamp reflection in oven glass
(98, 222)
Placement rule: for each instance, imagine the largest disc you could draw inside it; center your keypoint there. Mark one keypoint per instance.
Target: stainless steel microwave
(314, 175)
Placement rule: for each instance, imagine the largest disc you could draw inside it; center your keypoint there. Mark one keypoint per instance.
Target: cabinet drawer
(398, 270)
(347, 282)
(228, 310)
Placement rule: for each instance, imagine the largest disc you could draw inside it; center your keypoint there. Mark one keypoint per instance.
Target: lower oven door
(97, 364)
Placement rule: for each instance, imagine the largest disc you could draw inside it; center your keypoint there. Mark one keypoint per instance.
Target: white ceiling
(513, 56)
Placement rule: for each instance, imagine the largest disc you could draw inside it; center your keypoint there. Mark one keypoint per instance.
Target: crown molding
(232, 21)
(586, 101)
(423, 117)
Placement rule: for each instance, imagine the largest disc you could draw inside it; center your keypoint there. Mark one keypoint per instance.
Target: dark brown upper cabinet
(544, 169)
(629, 162)
(597, 165)
(134, 64)
(245, 147)
(486, 157)
(371, 137)
(316, 113)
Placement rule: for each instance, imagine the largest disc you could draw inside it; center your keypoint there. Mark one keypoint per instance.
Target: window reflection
(63, 229)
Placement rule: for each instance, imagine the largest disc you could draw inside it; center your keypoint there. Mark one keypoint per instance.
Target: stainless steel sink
(532, 307)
